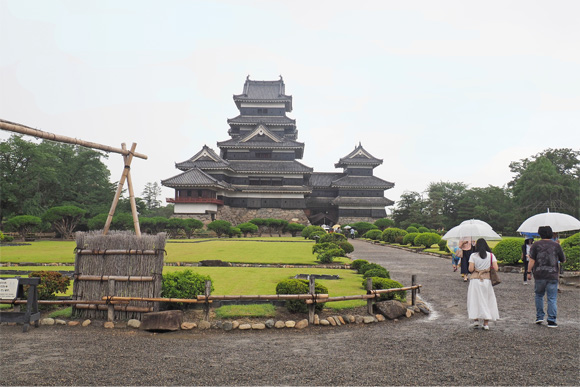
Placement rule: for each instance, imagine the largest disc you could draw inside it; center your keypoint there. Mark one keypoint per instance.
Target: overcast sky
(439, 90)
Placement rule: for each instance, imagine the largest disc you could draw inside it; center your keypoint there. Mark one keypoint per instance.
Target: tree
(294, 228)
(174, 225)
(261, 223)
(220, 227)
(442, 203)
(191, 225)
(64, 219)
(384, 223)
(151, 192)
(491, 204)
(23, 224)
(411, 208)
(247, 228)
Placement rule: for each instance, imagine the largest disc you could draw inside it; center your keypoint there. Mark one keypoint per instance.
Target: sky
(447, 91)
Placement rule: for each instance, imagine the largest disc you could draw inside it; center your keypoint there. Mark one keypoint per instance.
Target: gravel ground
(436, 350)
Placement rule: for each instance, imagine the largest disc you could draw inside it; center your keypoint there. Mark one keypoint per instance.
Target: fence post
(312, 291)
(369, 291)
(111, 307)
(413, 291)
(207, 294)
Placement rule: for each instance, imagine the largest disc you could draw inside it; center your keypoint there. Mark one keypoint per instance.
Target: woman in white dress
(481, 302)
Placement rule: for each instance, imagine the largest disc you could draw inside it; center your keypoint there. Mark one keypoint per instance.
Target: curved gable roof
(205, 158)
(359, 156)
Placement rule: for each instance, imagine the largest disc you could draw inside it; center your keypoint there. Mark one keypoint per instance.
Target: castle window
(263, 155)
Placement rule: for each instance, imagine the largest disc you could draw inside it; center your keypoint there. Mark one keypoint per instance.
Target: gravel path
(435, 350)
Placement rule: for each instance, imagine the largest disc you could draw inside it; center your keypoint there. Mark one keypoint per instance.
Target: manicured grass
(256, 280)
(62, 313)
(40, 252)
(251, 310)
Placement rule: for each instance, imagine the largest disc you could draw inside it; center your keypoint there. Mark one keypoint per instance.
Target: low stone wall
(236, 215)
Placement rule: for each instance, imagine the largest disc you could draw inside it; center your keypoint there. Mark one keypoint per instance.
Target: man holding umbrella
(545, 257)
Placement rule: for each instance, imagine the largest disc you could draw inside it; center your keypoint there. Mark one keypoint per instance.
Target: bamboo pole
(22, 129)
(274, 297)
(132, 194)
(103, 278)
(117, 252)
(64, 302)
(122, 308)
(151, 299)
(127, 161)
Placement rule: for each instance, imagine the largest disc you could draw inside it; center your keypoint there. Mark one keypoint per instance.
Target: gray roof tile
(194, 177)
(362, 182)
(270, 167)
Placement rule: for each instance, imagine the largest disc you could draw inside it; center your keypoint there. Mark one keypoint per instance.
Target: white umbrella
(472, 229)
(559, 222)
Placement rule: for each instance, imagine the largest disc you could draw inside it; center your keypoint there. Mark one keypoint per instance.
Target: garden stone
(269, 323)
(302, 324)
(60, 322)
(369, 319)
(316, 320)
(228, 326)
(186, 326)
(73, 323)
(167, 320)
(86, 323)
(279, 324)
(290, 324)
(134, 323)
(380, 317)
(346, 319)
(391, 309)
(204, 325)
(409, 313)
(358, 319)
(47, 321)
(341, 320)
(244, 327)
(258, 326)
(324, 322)
(109, 325)
(331, 321)
(235, 324)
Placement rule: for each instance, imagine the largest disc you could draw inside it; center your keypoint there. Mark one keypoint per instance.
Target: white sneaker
(486, 327)
(525, 282)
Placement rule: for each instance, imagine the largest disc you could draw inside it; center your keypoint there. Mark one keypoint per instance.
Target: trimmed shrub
(375, 235)
(357, 263)
(443, 246)
(327, 256)
(220, 227)
(294, 228)
(409, 239)
(334, 237)
(384, 223)
(183, 284)
(571, 247)
(382, 273)
(306, 231)
(317, 235)
(412, 229)
(386, 283)
(423, 229)
(248, 228)
(299, 286)
(51, 282)
(427, 239)
(369, 266)
(508, 251)
(5, 238)
(234, 232)
(320, 247)
(390, 234)
(346, 246)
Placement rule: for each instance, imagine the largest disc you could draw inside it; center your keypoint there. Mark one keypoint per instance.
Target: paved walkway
(435, 350)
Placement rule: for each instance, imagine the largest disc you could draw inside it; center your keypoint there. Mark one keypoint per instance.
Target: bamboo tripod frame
(127, 158)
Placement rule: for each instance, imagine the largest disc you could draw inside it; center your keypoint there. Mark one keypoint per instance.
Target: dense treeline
(547, 180)
(36, 177)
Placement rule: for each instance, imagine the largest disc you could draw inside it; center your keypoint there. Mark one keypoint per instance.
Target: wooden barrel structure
(121, 264)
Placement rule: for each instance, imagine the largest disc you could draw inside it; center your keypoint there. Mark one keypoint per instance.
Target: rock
(358, 319)
(47, 321)
(351, 318)
(380, 317)
(218, 324)
(424, 310)
(324, 322)
(167, 320)
(204, 325)
(279, 324)
(337, 320)
(73, 323)
(409, 313)
(270, 323)
(290, 324)
(228, 326)
(86, 323)
(60, 322)
(391, 309)
(316, 320)
(186, 326)
(369, 319)
(109, 325)
(302, 324)
(235, 324)
(259, 326)
(244, 327)
(332, 321)
(345, 319)
(134, 323)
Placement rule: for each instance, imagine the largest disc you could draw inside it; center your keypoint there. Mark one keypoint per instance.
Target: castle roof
(195, 177)
(366, 201)
(273, 189)
(256, 120)
(358, 157)
(269, 167)
(264, 91)
(262, 138)
(368, 182)
(206, 158)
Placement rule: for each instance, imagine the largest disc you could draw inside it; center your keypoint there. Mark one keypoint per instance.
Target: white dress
(481, 302)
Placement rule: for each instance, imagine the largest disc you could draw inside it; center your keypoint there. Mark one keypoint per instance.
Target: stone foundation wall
(236, 215)
(352, 219)
(204, 218)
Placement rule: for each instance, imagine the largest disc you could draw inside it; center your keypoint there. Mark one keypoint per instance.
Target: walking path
(435, 350)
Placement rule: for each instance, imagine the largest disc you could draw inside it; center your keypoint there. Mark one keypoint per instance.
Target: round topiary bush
(411, 229)
(423, 229)
(369, 266)
(332, 237)
(299, 286)
(320, 247)
(409, 239)
(306, 231)
(443, 246)
(375, 235)
(508, 251)
(382, 273)
(386, 283)
(316, 235)
(327, 256)
(183, 284)
(346, 246)
(390, 234)
(427, 239)
(571, 247)
(357, 263)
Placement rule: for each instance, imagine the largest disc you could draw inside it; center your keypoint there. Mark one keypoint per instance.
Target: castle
(257, 173)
